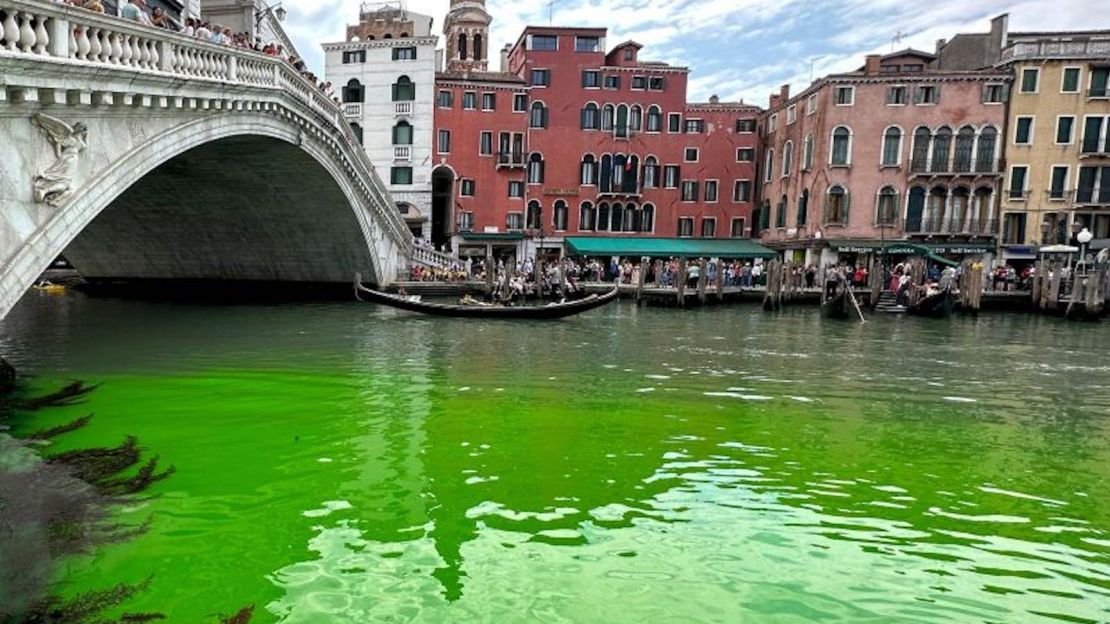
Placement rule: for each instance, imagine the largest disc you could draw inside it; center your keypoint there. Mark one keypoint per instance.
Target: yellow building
(1057, 140)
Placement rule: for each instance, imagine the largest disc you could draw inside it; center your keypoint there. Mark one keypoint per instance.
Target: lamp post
(276, 10)
(1084, 237)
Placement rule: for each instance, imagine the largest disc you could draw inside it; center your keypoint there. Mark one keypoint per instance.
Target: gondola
(836, 303)
(547, 312)
(938, 305)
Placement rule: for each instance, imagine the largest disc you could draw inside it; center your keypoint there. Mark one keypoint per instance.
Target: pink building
(896, 151)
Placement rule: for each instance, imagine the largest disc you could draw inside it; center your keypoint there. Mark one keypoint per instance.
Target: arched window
(534, 216)
(559, 216)
(538, 116)
(841, 147)
(635, 118)
(354, 92)
(631, 178)
(478, 47)
(589, 170)
(607, 115)
(654, 119)
(387, 36)
(887, 211)
(892, 147)
(942, 147)
(780, 214)
(935, 209)
(982, 212)
(631, 218)
(803, 208)
(647, 219)
(984, 159)
(915, 210)
(959, 211)
(402, 133)
(462, 47)
(603, 217)
(836, 205)
(651, 173)
(587, 216)
(807, 160)
(357, 129)
(590, 117)
(616, 222)
(769, 165)
(619, 162)
(535, 169)
(787, 158)
(621, 129)
(404, 90)
(965, 147)
(920, 160)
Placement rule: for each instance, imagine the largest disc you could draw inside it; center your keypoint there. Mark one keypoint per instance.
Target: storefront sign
(561, 192)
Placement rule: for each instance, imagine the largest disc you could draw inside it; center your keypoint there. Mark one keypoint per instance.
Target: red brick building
(572, 138)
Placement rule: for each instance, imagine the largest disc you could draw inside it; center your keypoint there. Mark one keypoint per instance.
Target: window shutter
(584, 123)
(936, 94)
(847, 207)
(983, 94)
(918, 95)
(584, 81)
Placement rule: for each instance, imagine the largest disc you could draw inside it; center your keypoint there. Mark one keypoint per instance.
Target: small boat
(937, 305)
(49, 287)
(837, 303)
(547, 312)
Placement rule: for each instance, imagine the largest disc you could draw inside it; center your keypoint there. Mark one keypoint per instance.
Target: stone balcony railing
(1021, 50)
(74, 39)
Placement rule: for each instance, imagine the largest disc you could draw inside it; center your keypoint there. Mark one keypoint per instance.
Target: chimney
(784, 93)
(713, 99)
(505, 58)
(1000, 31)
(873, 65)
(940, 45)
(776, 99)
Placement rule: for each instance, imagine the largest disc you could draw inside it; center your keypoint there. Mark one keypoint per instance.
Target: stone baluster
(116, 55)
(73, 51)
(137, 53)
(94, 44)
(84, 46)
(26, 34)
(124, 49)
(105, 47)
(42, 39)
(11, 31)
(164, 56)
(232, 69)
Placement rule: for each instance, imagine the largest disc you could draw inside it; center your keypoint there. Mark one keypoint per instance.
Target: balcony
(402, 152)
(352, 110)
(620, 193)
(1096, 93)
(510, 160)
(1056, 49)
(1089, 196)
(952, 227)
(960, 167)
(403, 108)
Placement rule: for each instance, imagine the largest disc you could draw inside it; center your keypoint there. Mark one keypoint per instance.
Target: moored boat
(936, 305)
(546, 312)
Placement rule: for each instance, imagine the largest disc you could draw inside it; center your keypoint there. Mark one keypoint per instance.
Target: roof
(910, 52)
(667, 247)
(629, 43)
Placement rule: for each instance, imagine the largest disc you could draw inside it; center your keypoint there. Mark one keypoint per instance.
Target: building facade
(385, 75)
(895, 151)
(573, 138)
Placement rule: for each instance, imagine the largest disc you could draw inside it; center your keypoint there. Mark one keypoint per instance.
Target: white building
(385, 75)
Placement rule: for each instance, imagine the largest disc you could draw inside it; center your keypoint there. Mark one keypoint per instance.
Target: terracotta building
(572, 137)
(898, 150)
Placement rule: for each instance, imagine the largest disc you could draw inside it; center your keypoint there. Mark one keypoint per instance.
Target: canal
(348, 463)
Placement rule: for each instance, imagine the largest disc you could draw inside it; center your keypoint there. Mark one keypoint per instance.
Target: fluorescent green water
(344, 463)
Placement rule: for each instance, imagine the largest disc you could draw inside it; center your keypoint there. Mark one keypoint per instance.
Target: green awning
(666, 247)
(493, 236)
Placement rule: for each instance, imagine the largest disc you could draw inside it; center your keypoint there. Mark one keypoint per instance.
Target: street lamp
(1084, 237)
(277, 10)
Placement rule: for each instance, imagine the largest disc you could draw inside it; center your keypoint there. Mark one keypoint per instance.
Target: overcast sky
(737, 49)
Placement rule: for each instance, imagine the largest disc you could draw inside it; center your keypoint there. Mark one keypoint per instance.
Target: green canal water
(347, 463)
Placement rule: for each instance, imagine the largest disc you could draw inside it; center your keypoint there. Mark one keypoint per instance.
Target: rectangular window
(485, 144)
(772, 123)
(1070, 81)
(1100, 82)
(591, 79)
(466, 188)
(470, 100)
(639, 83)
(445, 99)
(489, 101)
(1065, 126)
(674, 122)
(745, 154)
(1096, 135)
(520, 103)
(444, 144)
(844, 96)
(994, 94)
(738, 227)
(711, 191)
(1059, 183)
(689, 191)
(695, 126)
(587, 44)
(515, 221)
(1017, 182)
(927, 95)
(516, 188)
(1023, 131)
(811, 104)
(1094, 185)
(686, 227)
(1030, 79)
(690, 155)
(670, 176)
(708, 228)
(354, 56)
(655, 84)
(544, 43)
(612, 82)
(897, 96)
(400, 175)
(404, 54)
(466, 221)
(541, 77)
(745, 126)
(742, 191)
(791, 114)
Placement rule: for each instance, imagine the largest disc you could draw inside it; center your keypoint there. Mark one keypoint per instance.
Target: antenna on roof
(896, 39)
(550, 12)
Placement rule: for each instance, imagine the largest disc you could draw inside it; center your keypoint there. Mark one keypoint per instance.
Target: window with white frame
(514, 221)
(1071, 79)
(738, 227)
(689, 191)
(1030, 80)
(444, 144)
(711, 191)
(745, 154)
(1018, 180)
(489, 101)
(791, 114)
(769, 165)
(709, 227)
(927, 95)
(1023, 130)
(485, 144)
(787, 158)
(516, 189)
(841, 153)
(742, 191)
(897, 96)
(811, 104)
(670, 176)
(1058, 183)
(685, 227)
(844, 96)
(520, 102)
(690, 155)
(892, 147)
(466, 187)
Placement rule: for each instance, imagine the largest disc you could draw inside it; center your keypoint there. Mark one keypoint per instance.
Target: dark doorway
(443, 195)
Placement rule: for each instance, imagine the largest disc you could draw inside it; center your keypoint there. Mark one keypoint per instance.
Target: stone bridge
(143, 154)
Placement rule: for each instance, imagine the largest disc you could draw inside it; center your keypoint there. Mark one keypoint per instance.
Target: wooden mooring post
(772, 297)
(643, 279)
(703, 280)
(681, 279)
(971, 287)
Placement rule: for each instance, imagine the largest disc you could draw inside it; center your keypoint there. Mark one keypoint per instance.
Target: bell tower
(467, 32)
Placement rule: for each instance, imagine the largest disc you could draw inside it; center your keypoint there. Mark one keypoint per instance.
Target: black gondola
(938, 305)
(836, 303)
(547, 312)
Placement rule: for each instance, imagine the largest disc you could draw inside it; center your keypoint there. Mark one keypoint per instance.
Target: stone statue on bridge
(54, 186)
